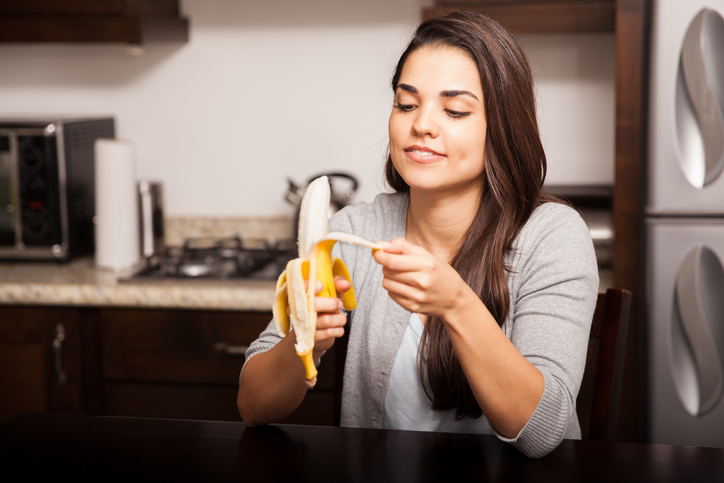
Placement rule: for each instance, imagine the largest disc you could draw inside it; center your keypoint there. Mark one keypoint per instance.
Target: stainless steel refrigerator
(685, 224)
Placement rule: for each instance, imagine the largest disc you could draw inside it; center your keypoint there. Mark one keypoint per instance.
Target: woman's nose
(425, 124)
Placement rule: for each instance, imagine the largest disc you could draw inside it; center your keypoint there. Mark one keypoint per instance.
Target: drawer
(182, 346)
(175, 346)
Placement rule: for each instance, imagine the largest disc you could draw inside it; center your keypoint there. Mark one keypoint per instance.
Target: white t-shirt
(407, 407)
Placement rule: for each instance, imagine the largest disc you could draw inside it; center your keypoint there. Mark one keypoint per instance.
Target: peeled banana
(315, 262)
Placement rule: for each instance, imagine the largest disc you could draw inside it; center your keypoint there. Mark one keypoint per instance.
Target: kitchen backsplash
(178, 229)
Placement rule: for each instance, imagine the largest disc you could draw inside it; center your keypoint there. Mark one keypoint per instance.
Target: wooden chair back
(600, 394)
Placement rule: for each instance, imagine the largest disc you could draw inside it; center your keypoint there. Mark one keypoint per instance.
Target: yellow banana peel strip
(291, 292)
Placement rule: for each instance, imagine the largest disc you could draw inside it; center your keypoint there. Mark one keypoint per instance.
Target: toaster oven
(47, 186)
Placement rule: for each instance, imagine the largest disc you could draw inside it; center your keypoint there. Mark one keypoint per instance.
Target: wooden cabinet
(142, 363)
(40, 361)
(539, 16)
(186, 364)
(126, 21)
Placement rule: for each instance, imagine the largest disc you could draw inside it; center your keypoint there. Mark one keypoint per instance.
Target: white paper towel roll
(116, 222)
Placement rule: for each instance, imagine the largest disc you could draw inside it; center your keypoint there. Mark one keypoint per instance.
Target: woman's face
(437, 125)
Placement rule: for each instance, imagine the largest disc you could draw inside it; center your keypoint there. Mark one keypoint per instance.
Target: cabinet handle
(231, 350)
(58, 354)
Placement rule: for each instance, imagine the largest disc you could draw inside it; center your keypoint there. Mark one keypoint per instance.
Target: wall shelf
(539, 17)
(86, 21)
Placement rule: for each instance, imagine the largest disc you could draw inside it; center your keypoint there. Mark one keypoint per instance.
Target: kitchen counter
(79, 284)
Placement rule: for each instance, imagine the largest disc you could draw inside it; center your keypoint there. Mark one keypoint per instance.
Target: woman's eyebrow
(458, 93)
(450, 93)
(407, 87)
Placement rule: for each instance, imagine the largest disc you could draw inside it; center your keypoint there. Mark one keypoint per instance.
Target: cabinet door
(39, 361)
(186, 364)
(54, 7)
(127, 21)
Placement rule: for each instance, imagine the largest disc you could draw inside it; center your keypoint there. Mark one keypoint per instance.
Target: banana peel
(315, 263)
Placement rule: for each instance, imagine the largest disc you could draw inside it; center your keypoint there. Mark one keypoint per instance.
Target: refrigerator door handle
(702, 69)
(694, 310)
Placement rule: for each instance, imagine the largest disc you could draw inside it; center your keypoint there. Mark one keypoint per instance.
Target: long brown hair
(513, 175)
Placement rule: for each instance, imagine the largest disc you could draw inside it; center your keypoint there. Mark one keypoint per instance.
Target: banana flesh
(315, 262)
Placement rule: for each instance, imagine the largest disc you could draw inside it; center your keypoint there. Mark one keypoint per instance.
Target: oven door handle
(231, 350)
(14, 207)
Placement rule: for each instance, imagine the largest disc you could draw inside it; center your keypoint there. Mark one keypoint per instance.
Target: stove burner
(228, 258)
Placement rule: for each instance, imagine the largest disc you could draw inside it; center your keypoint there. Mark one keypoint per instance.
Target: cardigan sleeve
(266, 340)
(553, 296)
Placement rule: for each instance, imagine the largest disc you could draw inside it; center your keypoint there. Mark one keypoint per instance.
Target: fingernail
(340, 305)
(384, 245)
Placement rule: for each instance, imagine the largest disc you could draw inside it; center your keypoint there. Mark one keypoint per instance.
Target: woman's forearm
(272, 384)
(505, 384)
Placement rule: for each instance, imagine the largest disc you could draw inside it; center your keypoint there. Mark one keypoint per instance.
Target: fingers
(318, 285)
(411, 298)
(388, 247)
(402, 256)
(416, 279)
(331, 325)
(418, 271)
(329, 328)
(407, 263)
(327, 304)
(421, 279)
(401, 288)
(399, 246)
(341, 284)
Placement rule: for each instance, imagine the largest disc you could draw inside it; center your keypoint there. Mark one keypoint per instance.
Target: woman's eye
(404, 107)
(457, 114)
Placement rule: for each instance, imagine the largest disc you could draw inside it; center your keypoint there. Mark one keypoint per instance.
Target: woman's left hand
(417, 280)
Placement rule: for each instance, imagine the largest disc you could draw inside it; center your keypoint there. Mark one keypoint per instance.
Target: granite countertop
(79, 283)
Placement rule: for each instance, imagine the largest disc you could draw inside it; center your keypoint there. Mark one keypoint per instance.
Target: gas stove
(219, 259)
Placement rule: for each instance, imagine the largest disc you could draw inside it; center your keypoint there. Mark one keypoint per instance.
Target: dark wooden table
(85, 448)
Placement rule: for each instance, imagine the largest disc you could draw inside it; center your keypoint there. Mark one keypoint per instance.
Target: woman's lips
(421, 154)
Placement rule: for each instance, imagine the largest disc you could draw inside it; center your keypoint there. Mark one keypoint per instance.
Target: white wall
(575, 82)
(269, 90)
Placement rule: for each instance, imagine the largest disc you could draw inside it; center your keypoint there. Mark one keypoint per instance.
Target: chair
(600, 394)
(598, 399)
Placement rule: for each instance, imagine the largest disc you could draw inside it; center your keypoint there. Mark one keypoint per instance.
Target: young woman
(475, 316)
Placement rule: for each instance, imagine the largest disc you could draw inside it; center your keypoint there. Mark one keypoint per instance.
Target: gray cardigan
(553, 285)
